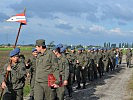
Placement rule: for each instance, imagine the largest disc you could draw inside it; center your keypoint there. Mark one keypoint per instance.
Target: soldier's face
(79, 51)
(72, 50)
(15, 59)
(88, 50)
(35, 53)
(56, 53)
(38, 48)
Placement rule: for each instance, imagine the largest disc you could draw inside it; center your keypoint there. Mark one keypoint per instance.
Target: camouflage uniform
(106, 60)
(93, 65)
(15, 81)
(32, 72)
(81, 68)
(128, 58)
(64, 74)
(71, 58)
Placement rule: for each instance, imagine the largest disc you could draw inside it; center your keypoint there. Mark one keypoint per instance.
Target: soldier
(13, 77)
(32, 72)
(46, 64)
(112, 59)
(63, 72)
(81, 67)
(93, 63)
(120, 56)
(128, 58)
(106, 60)
(90, 70)
(99, 62)
(117, 57)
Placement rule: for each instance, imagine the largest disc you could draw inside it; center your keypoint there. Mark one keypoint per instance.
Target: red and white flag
(18, 18)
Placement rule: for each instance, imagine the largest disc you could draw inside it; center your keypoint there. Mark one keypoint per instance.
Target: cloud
(3, 17)
(97, 28)
(64, 26)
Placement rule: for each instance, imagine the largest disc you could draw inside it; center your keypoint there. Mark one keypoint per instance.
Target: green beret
(40, 42)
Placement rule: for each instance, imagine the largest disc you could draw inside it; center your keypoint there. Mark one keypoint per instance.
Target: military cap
(89, 48)
(79, 49)
(40, 42)
(62, 50)
(92, 49)
(14, 52)
(34, 49)
(55, 47)
(72, 48)
(83, 48)
(60, 45)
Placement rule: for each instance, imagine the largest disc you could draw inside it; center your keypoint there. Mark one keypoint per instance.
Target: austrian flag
(18, 18)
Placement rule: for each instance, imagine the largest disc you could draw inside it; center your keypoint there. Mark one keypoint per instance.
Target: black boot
(84, 86)
(78, 87)
(31, 98)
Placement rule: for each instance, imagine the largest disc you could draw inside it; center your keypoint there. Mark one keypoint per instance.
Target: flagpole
(7, 73)
(18, 35)
(19, 31)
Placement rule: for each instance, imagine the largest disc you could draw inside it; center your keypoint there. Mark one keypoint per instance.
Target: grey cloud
(64, 26)
(116, 12)
(3, 17)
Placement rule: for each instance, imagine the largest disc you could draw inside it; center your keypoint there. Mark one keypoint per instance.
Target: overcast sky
(69, 21)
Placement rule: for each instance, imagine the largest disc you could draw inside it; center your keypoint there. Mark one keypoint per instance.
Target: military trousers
(128, 62)
(42, 91)
(32, 82)
(80, 74)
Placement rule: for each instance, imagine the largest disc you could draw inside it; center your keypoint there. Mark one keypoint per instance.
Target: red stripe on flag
(22, 14)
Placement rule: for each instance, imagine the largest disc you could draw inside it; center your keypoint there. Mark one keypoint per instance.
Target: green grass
(21, 48)
(26, 89)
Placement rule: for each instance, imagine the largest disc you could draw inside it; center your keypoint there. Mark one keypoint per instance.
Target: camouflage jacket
(16, 77)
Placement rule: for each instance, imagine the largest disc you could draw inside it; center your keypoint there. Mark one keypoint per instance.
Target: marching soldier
(93, 64)
(112, 59)
(120, 56)
(90, 71)
(13, 77)
(71, 58)
(106, 60)
(99, 62)
(81, 67)
(129, 56)
(63, 73)
(32, 72)
(46, 64)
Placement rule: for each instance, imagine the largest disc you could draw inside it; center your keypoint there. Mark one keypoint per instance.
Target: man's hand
(28, 75)
(77, 61)
(3, 85)
(65, 82)
(55, 85)
(9, 68)
(83, 68)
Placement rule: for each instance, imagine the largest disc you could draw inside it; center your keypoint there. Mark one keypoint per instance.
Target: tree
(51, 44)
(79, 46)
